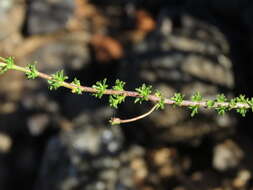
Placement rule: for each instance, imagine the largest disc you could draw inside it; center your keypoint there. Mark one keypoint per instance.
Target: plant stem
(152, 98)
(116, 120)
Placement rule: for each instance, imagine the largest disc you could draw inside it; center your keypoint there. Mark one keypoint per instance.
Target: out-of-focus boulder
(46, 16)
(88, 156)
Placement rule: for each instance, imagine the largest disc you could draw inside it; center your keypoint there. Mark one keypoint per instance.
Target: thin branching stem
(134, 94)
(143, 93)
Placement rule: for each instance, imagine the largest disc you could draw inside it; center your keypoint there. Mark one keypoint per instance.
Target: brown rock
(106, 48)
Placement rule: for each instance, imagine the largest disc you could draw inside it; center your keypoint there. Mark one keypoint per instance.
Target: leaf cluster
(33, 72)
(178, 98)
(195, 98)
(243, 100)
(56, 80)
(116, 99)
(144, 91)
(221, 109)
(9, 64)
(77, 89)
(101, 87)
(161, 103)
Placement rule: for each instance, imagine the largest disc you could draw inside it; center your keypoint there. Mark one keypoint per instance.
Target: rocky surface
(90, 154)
(48, 16)
(62, 141)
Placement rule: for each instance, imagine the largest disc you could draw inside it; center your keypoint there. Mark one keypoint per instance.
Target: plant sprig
(77, 89)
(160, 104)
(144, 91)
(221, 109)
(116, 99)
(101, 87)
(195, 98)
(56, 80)
(9, 64)
(117, 94)
(242, 99)
(178, 98)
(33, 72)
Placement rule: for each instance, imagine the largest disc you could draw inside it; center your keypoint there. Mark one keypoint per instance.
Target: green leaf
(210, 103)
(243, 100)
(178, 98)
(195, 98)
(221, 109)
(9, 64)
(33, 72)
(57, 79)
(161, 103)
(77, 89)
(100, 87)
(144, 91)
(194, 110)
(232, 103)
(116, 99)
(250, 103)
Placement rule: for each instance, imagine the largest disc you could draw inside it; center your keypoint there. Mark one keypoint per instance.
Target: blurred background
(56, 140)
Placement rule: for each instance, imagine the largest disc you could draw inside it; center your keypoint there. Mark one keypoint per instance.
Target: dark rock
(229, 8)
(87, 157)
(248, 15)
(48, 16)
